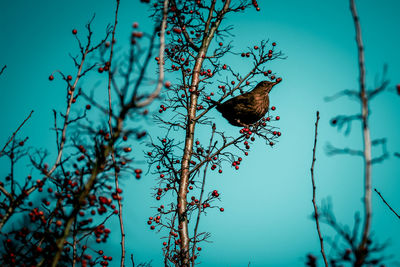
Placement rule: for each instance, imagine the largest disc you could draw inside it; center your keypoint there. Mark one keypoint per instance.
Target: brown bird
(244, 110)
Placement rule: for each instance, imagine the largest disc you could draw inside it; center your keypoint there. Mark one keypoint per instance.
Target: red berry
(221, 209)
(88, 106)
(398, 89)
(69, 77)
(273, 44)
(273, 107)
(168, 84)
(135, 25)
(277, 118)
(51, 77)
(74, 31)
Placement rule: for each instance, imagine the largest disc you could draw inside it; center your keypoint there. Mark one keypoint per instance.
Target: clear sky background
(268, 201)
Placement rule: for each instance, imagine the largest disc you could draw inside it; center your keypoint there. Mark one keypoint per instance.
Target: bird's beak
(278, 80)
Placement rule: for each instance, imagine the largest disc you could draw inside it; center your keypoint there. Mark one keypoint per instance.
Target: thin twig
(384, 201)
(199, 206)
(110, 116)
(160, 82)
(2, 69)
(321, 241)
(16, 131)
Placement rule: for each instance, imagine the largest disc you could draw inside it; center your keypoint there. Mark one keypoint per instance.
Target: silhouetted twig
(110, 115)
(321, 241)
(16, 131)
(2, 69)
(384, 201)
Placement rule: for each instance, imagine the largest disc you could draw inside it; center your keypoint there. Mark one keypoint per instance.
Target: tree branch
(316, 216)
(366, 132)
(16, 131)
(384, 201)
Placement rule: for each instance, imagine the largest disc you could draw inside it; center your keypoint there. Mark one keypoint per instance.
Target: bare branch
(384, 201)
(2, 69)
(341, 120)
(110, 116)
(316, 216)
(384, 155)
(16, 131)
(347, 92)
(331, 150)
(160, 82)
(366, 132)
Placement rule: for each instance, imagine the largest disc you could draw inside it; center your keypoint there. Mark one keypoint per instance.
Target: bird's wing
(239, 103)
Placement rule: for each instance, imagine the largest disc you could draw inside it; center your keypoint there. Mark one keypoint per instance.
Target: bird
(248, 108)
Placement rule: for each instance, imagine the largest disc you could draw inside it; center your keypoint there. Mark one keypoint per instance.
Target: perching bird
(244, 110)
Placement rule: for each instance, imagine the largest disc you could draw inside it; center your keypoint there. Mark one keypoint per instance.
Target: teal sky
(268, 201)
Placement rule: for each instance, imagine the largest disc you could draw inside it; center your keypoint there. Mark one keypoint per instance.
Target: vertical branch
(365, 129)
(157, 91)
(316, 215)
(74, 245)
(199, 205)
(190, 127)
(110, 114)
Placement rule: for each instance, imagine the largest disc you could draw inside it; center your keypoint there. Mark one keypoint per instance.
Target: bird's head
(266, 85)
